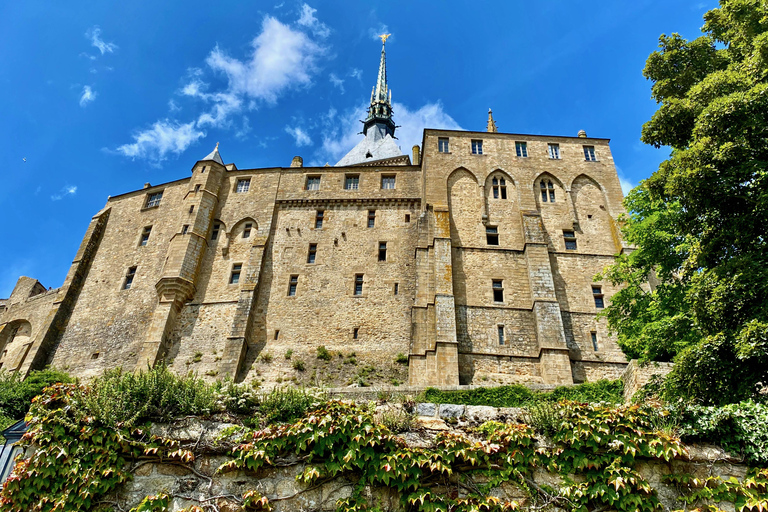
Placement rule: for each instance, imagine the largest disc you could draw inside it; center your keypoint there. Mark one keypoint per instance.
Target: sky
(99, 97)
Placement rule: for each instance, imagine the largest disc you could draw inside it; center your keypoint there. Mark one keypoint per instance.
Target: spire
(214, 155)
(380, 110)
(491, 127)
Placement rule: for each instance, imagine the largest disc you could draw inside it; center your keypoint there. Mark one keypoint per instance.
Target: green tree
(700, 222)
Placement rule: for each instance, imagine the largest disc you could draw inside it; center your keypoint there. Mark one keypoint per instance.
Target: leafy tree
(700, 221)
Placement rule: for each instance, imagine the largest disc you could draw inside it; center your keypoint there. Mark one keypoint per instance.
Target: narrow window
(277, 333)
(382, 251)
(570, 240)
(293, 282)
(500, 330)
(351, 182)
(498, 290)
(243, 185)
(95, 355)
(129, 278)
(503, 187)
(407, 217)
(492, 235)
(358, 284)
(247, 230)
(234, 277)
(597, 294)
(397, 288)
(355, 333)
(312, 253)
(154, 199)
(388, 181)
(442, 144)
(547, 191)
(589, 153)
(551, 189)
(313, 183)
(594, 340)
(543, 191)
(477, 147)
(185, 229)
(554, 151)
(202, 171)
(197, 189)
(521, 149)
(145, 235)
(191, 208)
(319, 219)
(215, 231)
(371, 218)
(495, 186)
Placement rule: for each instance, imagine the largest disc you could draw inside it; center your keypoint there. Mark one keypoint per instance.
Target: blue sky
(100, 97)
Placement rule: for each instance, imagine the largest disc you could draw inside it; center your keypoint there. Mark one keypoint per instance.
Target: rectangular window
(382, 251)
(397, 288)
(570, 240)
(197, 189)
(191, 208)
(355, 333)
(293, 282)
(247, 230)
(351, 182)
(145, 235)
(477, 147)
(243, 185)
(500, 331)
(154, 199)
(594, 340)
(498, 290)
(371, 218)
(521, 149)
(407, 217)
(129, 278)
(589, 154)
(319, 219)
(277, 333)
(358, 284)
(312, 253)
(313, 183)
(234, 277)
(388, 181)
(185, 229)
(442, 144)
(215, 231)
(554, 151)
(492, 235)
(597, 294)
(202, 171)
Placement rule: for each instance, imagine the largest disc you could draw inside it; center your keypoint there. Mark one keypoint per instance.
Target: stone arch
(241, 227)
(502, 208)
(595, 222)
(221, 233)
(466, 207)
(15, 341)
(489, 184)
(557, 186)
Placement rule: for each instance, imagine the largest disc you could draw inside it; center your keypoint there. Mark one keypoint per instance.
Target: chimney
(416, 155)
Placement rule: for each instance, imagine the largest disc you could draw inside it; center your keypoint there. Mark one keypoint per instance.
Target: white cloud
(375, 32)
(356, 73)
(413, 122)
(626, 183)
(301, 137)
(94, 34)
(87, 96)
(244, 129)
(172, 106)
(162, 138)
(308, 20)
(66, 190)
(337, 82)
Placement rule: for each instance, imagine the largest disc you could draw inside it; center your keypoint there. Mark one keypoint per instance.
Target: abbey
(470, 261)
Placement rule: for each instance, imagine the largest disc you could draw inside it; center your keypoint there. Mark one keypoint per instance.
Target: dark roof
(15, 431)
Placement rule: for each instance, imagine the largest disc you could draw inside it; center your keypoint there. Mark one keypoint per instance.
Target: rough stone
(425, 409)
(450, 411)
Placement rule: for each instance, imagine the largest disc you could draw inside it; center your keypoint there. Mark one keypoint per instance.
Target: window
(197, 189)
(351, 182)
(382, 251)
(247, 230)
(500, 331)
(191, 208)
(397, 288)
(492, 235)
(277, 333)
(234, 277)
(145, 236)
(185, 229)
(570, 240)
(319, 219)
(243, 185)
(313, 183)
(154, 199)
(388, 181)
(498, 290)
(215, 232)
(442, 144)
(589, 154)
(312, 253)
(477, 147)
(554, 151)
(371, 218)
(597, 294)
(95, 355)
(499, 186)
(202, 170)
(547, 190)
(129, 278)
(293, 282)
(355, 333)
(594, 340)
(407, 217)
(521, 149)
(358, 284)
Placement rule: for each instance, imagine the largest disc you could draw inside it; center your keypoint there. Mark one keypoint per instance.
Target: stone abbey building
(470, 261)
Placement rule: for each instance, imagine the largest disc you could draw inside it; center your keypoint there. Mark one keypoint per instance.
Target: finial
(491, 126)
(384, 38)
(217, 146)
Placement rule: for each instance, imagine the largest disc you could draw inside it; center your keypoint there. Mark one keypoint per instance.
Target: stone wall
(636, 375)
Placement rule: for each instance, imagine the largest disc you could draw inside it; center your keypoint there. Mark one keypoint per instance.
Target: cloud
(87, 96)
(375, 32)
(626, 183)
(172, 106)
(244, 129)
(413, 122)
(301, 137)
(308, 20)
(337, 82)
(94, 34)
(356, 73)
(66, 190)
(164, 137)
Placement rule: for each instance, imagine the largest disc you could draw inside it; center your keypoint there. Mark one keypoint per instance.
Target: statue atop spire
(380, 110)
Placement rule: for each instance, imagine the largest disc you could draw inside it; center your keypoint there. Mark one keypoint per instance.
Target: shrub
(288, 353)
(265, 358)
(16, 395)
(397, 420)
(298, 365)
(545, 417)
(401, 358)
(236, 398)
(286, 403)
(322, 353)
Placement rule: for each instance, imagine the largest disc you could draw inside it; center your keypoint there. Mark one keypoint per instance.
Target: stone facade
(245, 272)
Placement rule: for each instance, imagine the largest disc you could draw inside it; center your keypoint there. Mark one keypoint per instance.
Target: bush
(236, 398)
(298, 365)
(265, 358)
(545, 417)
(16, 395)
(396, 420)
(401, 358)
(288, 353)
(322, 353)
(286, 403)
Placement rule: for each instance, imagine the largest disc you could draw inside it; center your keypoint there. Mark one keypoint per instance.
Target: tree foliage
(699, 222)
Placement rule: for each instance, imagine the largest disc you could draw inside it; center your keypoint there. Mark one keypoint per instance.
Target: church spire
(380, 110)
(491, 126)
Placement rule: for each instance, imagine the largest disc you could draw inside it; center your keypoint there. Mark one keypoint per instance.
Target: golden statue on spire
(217, 146)
(384, 38)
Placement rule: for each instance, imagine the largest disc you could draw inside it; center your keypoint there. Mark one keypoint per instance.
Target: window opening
(247, 230)
(234, 277)
(215, 232)
(202, 170)
(277, 333)
(129, 278)
(191, 208)
(492, 235)
(547, 191)
(594, 340)
(554, 151)
(407, 217)
(388, 181)
(477, 147)
(293, 282)
(154, 199)
(397, 288)
(352, 182)
(197, 189)
(589, 153)
(570, 240)
(355, 333)
(185, 229)
(145, 235)
(521, 149)
(358, 284)
(95, 355)
(313, 182)
(498, 290)
(243, 185)
(319, 219)
(371, 218)
(597, 294)
(382, 251)
(442, 144)
(312, 253)
(500, 330)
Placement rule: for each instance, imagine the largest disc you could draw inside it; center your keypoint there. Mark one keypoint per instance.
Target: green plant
(322, 353)
(286, 403)
(16, 394)
(288, 353)
(265, 358)
(211, 373)
(298, 365)
(395, 419)
(198, 357)
(401, 358)
(545, 417)
(236, 398)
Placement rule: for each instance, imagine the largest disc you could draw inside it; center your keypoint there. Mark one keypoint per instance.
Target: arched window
(499, 186)
(547, 191)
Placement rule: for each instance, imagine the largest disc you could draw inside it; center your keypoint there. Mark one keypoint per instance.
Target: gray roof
(214, 155)
(377, 145)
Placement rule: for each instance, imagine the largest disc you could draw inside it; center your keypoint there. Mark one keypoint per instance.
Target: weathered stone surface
(480, 413)
(426, 409)
(448, 411)
(431, 423)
